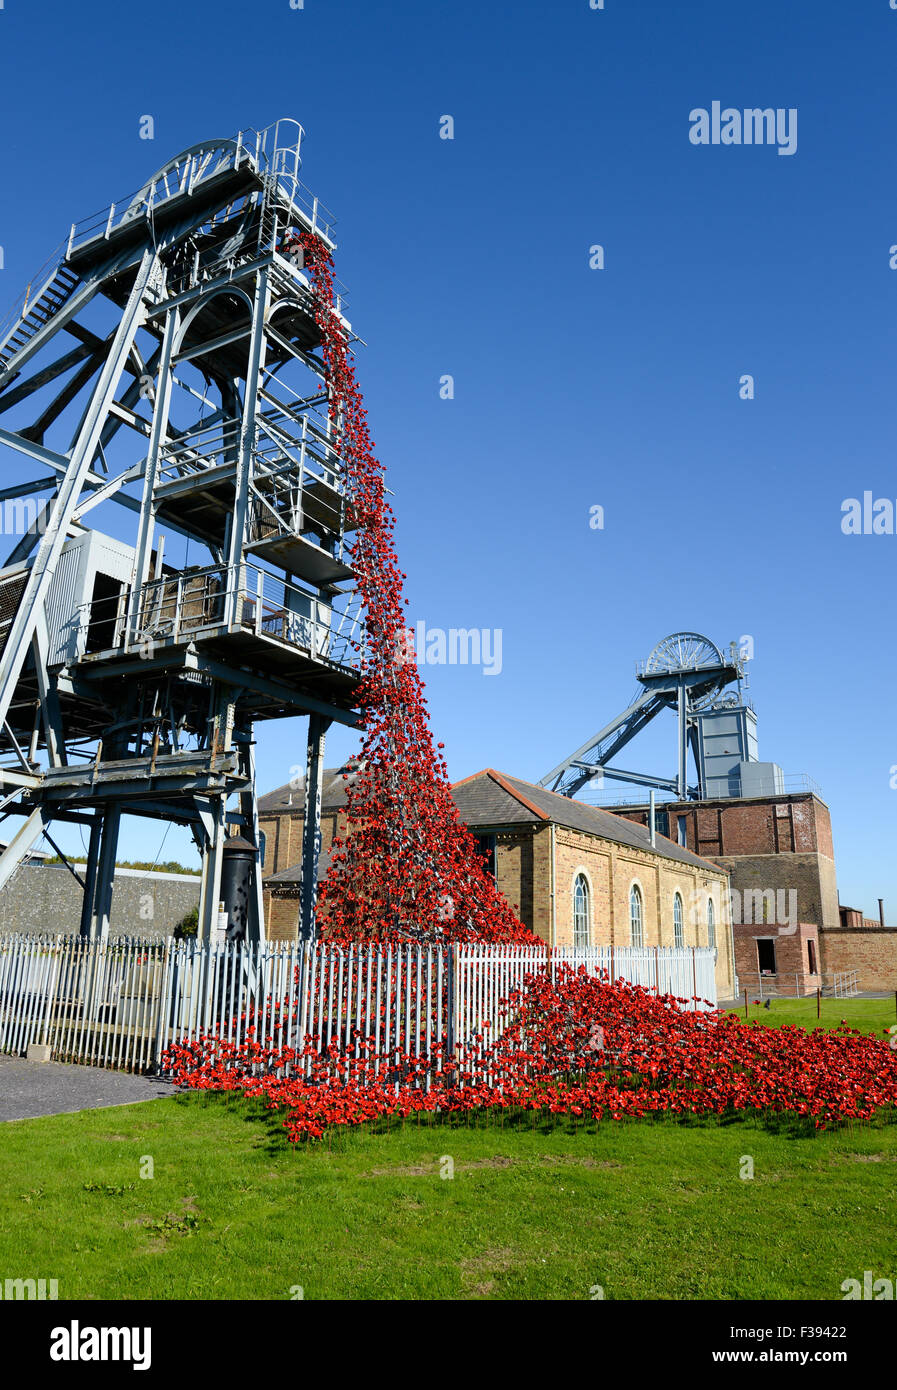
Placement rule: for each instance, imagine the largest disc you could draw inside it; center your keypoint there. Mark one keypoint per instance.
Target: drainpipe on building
(553, 912)
(652, 825)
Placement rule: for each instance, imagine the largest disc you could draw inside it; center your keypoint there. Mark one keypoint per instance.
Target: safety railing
(782, 984)
(297, 481)
(307, 440)
(597, 793)
(718, 788)
(273, 154)
(183, 177)
(214, 599)
(234, 255)
(841, 984)
(201, 448)
(37, 285)
(121, 1003)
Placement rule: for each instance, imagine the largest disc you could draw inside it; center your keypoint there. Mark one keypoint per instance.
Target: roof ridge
(503, 781)
(483, 772)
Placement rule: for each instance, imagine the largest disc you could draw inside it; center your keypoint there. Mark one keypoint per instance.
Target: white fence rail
(122, 1003)
(841, 984)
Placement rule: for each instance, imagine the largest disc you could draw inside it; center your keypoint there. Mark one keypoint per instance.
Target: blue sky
(573, 387)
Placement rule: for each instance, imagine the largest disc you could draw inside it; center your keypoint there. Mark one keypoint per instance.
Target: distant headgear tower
(687, 673)
(168, 360)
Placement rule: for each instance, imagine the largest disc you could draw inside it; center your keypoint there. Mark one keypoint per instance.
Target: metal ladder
(37, 311)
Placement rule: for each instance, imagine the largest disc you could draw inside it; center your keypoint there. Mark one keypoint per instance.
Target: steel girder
(142, 279)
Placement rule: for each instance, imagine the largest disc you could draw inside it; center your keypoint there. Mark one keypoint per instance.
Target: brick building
(787, 924)
(574, 873)
(865, 945)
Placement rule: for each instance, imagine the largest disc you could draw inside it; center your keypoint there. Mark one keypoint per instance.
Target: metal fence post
(450, 1001)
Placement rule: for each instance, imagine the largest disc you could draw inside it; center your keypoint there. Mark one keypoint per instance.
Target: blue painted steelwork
(685, 672)
(204, 413)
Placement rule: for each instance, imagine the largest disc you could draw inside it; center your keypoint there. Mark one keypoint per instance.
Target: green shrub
(188, 926)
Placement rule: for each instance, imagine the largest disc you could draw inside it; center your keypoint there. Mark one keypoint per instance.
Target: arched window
(678, 927)
(711, 924)
(580, 911)
(636, 917)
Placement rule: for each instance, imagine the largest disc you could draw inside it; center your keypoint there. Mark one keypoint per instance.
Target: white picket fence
(121, 1003)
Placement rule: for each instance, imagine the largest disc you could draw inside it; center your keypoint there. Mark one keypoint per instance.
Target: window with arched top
(678, 923)
(711, 923)
(636, 917)
(581, 911)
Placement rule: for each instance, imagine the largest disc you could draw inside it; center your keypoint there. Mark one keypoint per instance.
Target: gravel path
(30, 1089)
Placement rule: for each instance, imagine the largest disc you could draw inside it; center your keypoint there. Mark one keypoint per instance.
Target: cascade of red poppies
(407, 868)
(572, 1044)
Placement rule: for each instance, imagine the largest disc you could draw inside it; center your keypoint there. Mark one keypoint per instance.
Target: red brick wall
(871, 951)
(281, 917)
(793, 975)
(797, 823)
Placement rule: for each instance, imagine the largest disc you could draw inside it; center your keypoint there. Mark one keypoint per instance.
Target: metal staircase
(36, 312)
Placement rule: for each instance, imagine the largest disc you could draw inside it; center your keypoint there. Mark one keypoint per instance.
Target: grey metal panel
(111, 557)
(761, 779)
(63, 604)
(726, 741)
(82, 558)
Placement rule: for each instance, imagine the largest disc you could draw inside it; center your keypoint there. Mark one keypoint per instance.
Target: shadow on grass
(253, 1111)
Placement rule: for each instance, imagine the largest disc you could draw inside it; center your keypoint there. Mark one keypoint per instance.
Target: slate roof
(493, 799)
(490, 800)
(292, 877)
(291, 796)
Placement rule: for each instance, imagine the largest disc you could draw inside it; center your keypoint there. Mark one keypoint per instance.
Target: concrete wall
(45, 898)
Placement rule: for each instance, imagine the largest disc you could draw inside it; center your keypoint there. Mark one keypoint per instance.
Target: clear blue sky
(573, 387)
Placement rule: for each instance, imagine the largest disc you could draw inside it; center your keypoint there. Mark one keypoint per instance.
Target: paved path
(30, 1089)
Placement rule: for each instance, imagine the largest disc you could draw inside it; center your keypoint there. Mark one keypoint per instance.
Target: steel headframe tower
(169, 360)
(684, 672)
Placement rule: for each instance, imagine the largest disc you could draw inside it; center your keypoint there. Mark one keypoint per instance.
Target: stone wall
(523, 873)
(46, 898)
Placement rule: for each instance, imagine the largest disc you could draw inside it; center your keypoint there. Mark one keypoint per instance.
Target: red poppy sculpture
(407, 868)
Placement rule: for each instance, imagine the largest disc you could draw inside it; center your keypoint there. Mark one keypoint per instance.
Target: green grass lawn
(866, 1015)
(643, 1209)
